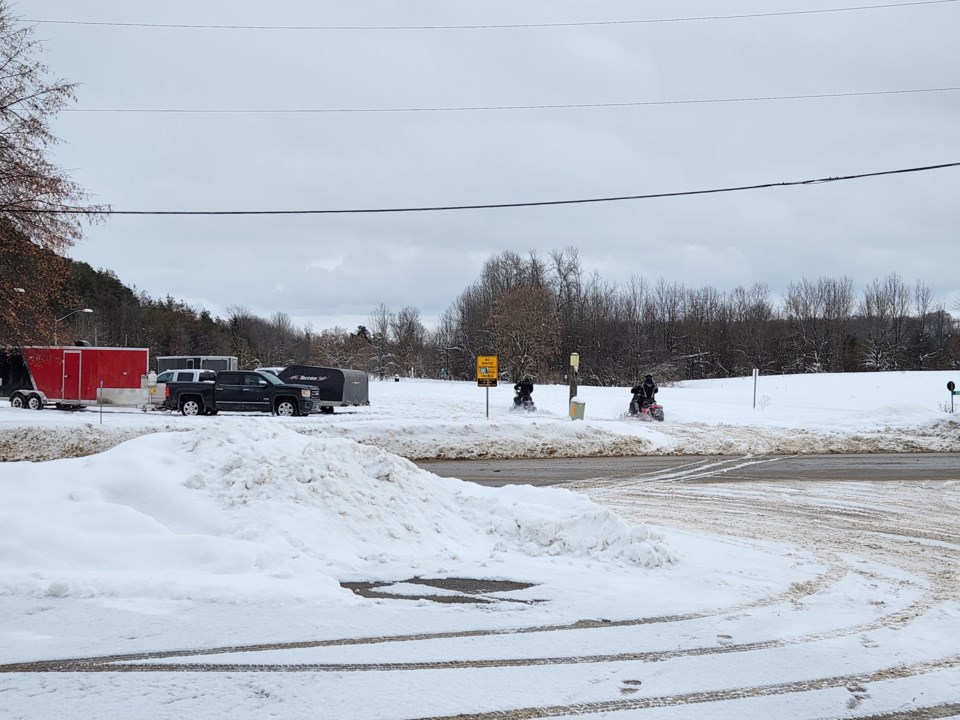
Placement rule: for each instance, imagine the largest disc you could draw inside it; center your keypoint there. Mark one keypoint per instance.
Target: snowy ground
(419, 419)
(157, 574)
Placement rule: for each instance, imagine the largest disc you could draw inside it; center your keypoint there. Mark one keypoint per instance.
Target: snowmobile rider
(523, 389)
(643, 394)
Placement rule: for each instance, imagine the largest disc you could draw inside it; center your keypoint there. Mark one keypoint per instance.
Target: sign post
(756, 373)
(953, 391)
(487, 375)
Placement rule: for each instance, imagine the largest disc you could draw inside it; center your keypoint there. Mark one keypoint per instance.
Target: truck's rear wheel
(286, 408)
(16, 401)
(34, 402)
(191, 407)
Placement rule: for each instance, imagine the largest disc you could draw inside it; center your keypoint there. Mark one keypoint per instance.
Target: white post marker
(755, 374)
(574, 369)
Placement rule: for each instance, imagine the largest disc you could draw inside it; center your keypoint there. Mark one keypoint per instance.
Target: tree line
(532, 312)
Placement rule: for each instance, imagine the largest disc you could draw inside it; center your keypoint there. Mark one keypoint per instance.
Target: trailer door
(71, 375)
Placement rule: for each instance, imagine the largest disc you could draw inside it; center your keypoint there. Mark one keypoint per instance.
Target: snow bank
(253, 507)
(422, 419)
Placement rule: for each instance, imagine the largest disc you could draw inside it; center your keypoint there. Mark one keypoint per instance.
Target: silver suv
(186, 376)
(158, 391)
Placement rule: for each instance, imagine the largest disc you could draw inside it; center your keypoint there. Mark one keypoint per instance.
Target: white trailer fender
(29, 399)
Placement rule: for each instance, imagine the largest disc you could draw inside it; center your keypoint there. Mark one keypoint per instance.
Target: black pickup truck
(248, 391)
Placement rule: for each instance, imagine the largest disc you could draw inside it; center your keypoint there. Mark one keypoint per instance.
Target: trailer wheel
(16, 401)
(286, 408)
(34, 402)
(191, 407)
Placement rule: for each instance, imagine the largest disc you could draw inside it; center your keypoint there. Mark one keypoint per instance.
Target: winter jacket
(524, 387)
(646, 390)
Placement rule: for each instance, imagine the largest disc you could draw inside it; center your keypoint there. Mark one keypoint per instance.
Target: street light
(56, 323)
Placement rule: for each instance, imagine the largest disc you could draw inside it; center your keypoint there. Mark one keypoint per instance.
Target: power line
(479, 108)
(504, 26)
(490, 206)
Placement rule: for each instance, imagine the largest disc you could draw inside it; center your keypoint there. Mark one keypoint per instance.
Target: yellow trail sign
(487, 370)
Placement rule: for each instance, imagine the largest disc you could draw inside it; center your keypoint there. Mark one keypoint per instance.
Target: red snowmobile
(645, 409)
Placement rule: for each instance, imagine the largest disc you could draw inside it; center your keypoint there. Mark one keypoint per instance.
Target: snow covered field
(255, 567)
(419, 419)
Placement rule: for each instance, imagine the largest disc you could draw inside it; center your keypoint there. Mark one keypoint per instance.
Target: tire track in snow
(886, 528)
(740, 693)
(681, 473)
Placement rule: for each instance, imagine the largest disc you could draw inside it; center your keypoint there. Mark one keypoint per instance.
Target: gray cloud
(336, 269)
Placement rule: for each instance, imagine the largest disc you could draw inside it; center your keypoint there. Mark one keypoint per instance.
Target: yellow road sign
(487, 370)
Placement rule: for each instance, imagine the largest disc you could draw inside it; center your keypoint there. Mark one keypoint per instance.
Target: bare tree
(706, 329)
(35, 285)
(664, 313)
(818, 314)
(408, 337)
(752, 331)
(923, 348)
(884, 310)
(240, 324)
(602, 333)
(38, 200)
(566, 282)
(383, 359)
(447, 349)
(838, 308)
(282, 349)
(524, 330)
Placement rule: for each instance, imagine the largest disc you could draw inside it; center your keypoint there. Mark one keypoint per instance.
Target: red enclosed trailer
(74, 376)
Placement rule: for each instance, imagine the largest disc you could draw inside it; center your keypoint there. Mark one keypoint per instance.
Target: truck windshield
(271, 378)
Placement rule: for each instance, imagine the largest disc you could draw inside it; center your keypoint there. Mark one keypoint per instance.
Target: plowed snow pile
(252, 507)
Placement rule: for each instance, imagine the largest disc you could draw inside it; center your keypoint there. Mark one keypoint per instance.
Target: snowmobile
(523, 402)
(646, 409)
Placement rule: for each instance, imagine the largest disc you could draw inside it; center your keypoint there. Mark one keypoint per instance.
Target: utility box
(576, 409)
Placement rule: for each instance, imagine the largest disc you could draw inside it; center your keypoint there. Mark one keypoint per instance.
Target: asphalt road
(554, 471)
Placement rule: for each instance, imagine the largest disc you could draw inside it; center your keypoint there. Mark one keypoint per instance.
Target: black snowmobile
(523, 401)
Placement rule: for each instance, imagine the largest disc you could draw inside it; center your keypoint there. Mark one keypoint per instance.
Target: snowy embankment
(420, 419)
(246, 506)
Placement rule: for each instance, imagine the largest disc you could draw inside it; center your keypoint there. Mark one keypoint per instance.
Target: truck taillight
(166, 391)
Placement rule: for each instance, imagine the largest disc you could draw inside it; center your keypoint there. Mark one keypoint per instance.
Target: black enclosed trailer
(338, 387)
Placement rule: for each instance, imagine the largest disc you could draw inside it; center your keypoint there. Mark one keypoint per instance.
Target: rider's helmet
(648, 377)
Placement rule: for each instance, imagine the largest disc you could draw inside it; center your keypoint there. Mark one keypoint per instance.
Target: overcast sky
(334, 270)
